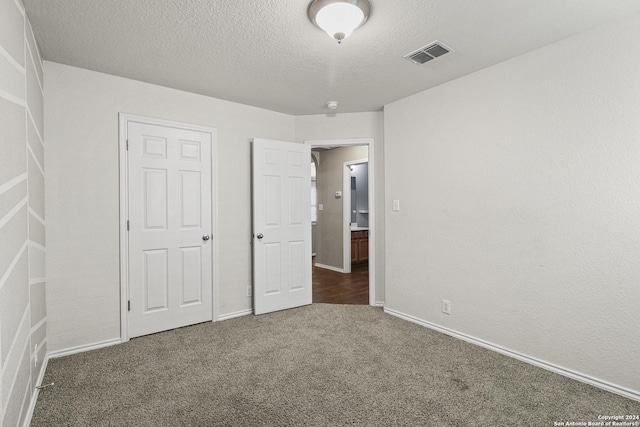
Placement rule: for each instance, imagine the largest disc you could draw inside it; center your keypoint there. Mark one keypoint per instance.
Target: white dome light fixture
(339, 17)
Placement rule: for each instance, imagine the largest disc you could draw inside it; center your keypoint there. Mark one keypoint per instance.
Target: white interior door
(281, 225)
(170, 224)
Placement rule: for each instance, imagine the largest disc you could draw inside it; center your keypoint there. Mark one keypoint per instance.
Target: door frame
(346, 212)
(123, 120)
(369, 142)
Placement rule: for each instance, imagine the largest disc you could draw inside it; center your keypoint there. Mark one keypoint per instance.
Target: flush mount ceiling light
(339, 17)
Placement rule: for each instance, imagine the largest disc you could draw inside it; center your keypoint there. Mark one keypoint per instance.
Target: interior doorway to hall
(340, 224)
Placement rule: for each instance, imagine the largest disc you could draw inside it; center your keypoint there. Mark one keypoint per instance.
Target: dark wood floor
(339, 288)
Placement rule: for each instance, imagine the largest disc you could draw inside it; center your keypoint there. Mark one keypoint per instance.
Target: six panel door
(281, 225)
(170, 223)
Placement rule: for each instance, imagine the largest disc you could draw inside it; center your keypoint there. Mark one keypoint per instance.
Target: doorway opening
(343, 240)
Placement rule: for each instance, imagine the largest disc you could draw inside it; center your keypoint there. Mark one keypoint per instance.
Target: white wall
(82, 192)
(347, 126)
(22, 224)
(519, 189)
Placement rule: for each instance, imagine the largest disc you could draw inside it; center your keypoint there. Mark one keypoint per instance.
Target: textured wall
(355, 125)
(22, 224)
(519, 189)
(329, 249)
(83, 193)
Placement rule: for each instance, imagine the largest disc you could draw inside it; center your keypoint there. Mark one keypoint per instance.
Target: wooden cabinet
(359, 246)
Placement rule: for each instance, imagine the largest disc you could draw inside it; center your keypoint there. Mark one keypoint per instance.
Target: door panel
(190, 209)
(296, 266)
(170, 210)
(281, 225)
(156, 281)
(155, 199)
(191, 280)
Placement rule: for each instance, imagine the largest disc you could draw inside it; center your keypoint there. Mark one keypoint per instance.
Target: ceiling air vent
(428, 52)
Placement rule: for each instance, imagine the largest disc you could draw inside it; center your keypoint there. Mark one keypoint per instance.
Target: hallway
(333, 287)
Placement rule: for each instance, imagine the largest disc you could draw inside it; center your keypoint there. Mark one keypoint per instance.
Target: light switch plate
(396, 205)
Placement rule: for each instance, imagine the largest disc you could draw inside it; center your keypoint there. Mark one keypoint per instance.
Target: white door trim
(124, 120)
(346, 213)
(372, 202)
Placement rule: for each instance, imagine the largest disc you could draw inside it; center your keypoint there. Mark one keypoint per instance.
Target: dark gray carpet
(320, 365)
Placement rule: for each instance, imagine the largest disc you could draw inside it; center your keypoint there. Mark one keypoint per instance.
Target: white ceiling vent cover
(428, 52)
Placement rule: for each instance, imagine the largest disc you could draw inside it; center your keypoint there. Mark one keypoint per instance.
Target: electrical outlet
(446, 306)
(248, 291)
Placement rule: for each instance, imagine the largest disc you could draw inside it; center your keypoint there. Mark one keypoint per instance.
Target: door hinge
(128, 225)
(127, 145)
(129, 305)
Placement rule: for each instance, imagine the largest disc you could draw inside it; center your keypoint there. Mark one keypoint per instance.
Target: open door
(281, 225)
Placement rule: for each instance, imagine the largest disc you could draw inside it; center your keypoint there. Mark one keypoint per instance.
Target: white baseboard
(613, 388)
(82, 348)
(234, 314)
(379, 304)
(328, 267)
(36, 392)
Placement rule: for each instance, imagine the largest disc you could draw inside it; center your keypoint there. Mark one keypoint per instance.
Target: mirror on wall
(314, 202)
(354, 216)
(360, 195)
(314, 191)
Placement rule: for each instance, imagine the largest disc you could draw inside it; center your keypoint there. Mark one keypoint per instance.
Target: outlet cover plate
(446, 306)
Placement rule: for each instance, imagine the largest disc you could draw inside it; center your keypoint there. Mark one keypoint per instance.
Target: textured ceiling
(266, 52)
